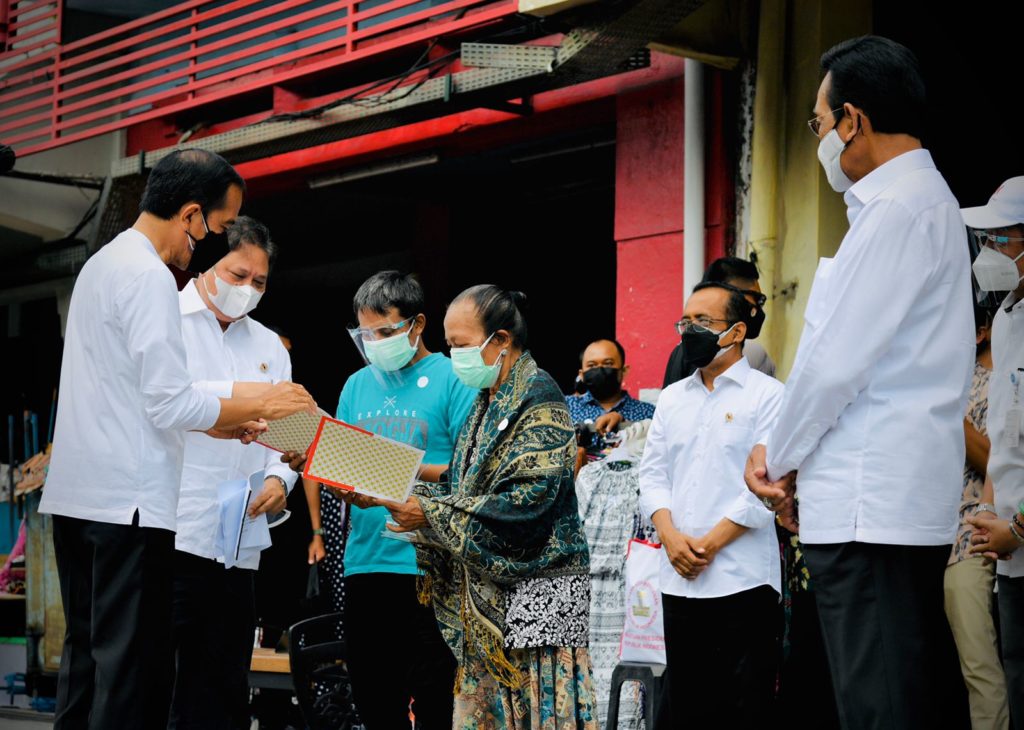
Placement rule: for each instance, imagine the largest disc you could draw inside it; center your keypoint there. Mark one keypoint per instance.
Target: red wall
(649, 219)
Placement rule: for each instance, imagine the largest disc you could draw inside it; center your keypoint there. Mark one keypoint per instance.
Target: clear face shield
(387, 347)
(976, 239)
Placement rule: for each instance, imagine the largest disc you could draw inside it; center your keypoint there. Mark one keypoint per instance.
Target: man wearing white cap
(999, 227)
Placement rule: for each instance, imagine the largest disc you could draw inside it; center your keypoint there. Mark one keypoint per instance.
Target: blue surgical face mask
(469, 366)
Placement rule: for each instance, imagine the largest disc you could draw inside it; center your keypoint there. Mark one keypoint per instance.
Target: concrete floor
(24, 720)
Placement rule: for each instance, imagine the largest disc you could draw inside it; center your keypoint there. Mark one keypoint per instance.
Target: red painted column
(649, 228)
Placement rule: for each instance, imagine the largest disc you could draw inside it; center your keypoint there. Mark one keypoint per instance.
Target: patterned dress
(977, 413)
(505, 562)
(608, 494)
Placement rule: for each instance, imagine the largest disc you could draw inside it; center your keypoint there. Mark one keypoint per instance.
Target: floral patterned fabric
(557, 695)
(548, 612)
(977, 414)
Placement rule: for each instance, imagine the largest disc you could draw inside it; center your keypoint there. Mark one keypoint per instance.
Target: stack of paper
(240, 536)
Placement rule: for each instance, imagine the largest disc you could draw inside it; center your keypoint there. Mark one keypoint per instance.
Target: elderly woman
(503, 555)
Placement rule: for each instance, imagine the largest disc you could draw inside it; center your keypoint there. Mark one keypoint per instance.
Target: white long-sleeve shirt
(126, 398)
(693, 465)
(1006, 415)
(245, 352)
(873, 411)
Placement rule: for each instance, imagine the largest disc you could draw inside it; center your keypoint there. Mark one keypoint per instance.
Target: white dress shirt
(693, 465)
(874, 406)
(245, 352)
(1005, 397)
(126, 398)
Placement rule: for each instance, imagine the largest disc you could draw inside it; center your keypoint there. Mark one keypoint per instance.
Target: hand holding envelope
(239, 536)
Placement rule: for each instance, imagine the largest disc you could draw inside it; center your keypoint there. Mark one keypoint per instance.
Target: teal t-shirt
(424, 407)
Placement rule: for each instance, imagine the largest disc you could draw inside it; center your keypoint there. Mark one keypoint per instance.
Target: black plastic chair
(649, 675)
(320, 675)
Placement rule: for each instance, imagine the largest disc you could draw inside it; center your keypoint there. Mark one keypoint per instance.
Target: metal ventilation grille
(586, 54)
(65, 261)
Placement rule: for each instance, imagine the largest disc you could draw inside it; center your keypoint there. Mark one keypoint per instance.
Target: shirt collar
(1011, 303)
(875, 182)
(737, 373)
(189, 301)
(588, 400)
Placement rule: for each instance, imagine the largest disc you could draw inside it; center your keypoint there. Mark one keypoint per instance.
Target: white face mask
(996, 271)
(233, 302)
(830, 150)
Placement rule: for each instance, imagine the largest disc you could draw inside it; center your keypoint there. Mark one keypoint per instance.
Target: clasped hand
(778, 496)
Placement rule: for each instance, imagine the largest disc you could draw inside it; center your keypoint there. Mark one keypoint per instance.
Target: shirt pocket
(735, 438)
(817, 302)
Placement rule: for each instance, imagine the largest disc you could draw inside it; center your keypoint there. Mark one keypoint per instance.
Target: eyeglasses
(984, 238)
(703, 323)
(379, 333)
(759, 298)
(815, 124)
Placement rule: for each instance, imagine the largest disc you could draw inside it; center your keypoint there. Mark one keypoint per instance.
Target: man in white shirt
(1000, 267)
(214, 613)
(743, 275)
(126, 401)
(721, 572)
(873, 410)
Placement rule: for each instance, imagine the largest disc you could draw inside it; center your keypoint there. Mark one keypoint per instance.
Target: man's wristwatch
(986, 507)
(281, 481)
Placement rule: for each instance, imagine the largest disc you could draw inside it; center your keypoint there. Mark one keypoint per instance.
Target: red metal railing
(196, 52)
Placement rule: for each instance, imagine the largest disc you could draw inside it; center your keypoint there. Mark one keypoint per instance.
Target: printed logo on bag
(643, 604)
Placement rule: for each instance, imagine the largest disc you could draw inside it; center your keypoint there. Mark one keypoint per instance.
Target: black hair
(387, 289)
(251, 231)
(730, 268)
(737, 308)
(881, 77)
(618, 346)
(188, 176)
(983, 316)
(499, 310)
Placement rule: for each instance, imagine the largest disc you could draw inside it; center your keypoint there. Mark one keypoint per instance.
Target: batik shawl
(505, 517)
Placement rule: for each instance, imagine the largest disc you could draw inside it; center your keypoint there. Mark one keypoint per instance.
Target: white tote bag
(643, 637)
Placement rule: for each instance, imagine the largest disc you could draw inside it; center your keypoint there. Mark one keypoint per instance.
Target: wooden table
(270, 670)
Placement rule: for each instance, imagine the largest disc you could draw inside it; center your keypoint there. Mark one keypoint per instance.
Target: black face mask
(699, 347)
(755, 324)
(602, 383)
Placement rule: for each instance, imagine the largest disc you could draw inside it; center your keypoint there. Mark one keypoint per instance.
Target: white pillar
(693, 176)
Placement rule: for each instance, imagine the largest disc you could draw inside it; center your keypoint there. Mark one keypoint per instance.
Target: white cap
(1005, 208)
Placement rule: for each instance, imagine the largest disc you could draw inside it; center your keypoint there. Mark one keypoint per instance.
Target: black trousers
(391, 667)
(889, 646)
(1011, 627)
(214, 627)
(116, 670)
(722, 658)
(806, 699)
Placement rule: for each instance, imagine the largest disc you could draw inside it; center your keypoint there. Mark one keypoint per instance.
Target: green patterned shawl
(507, 513)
